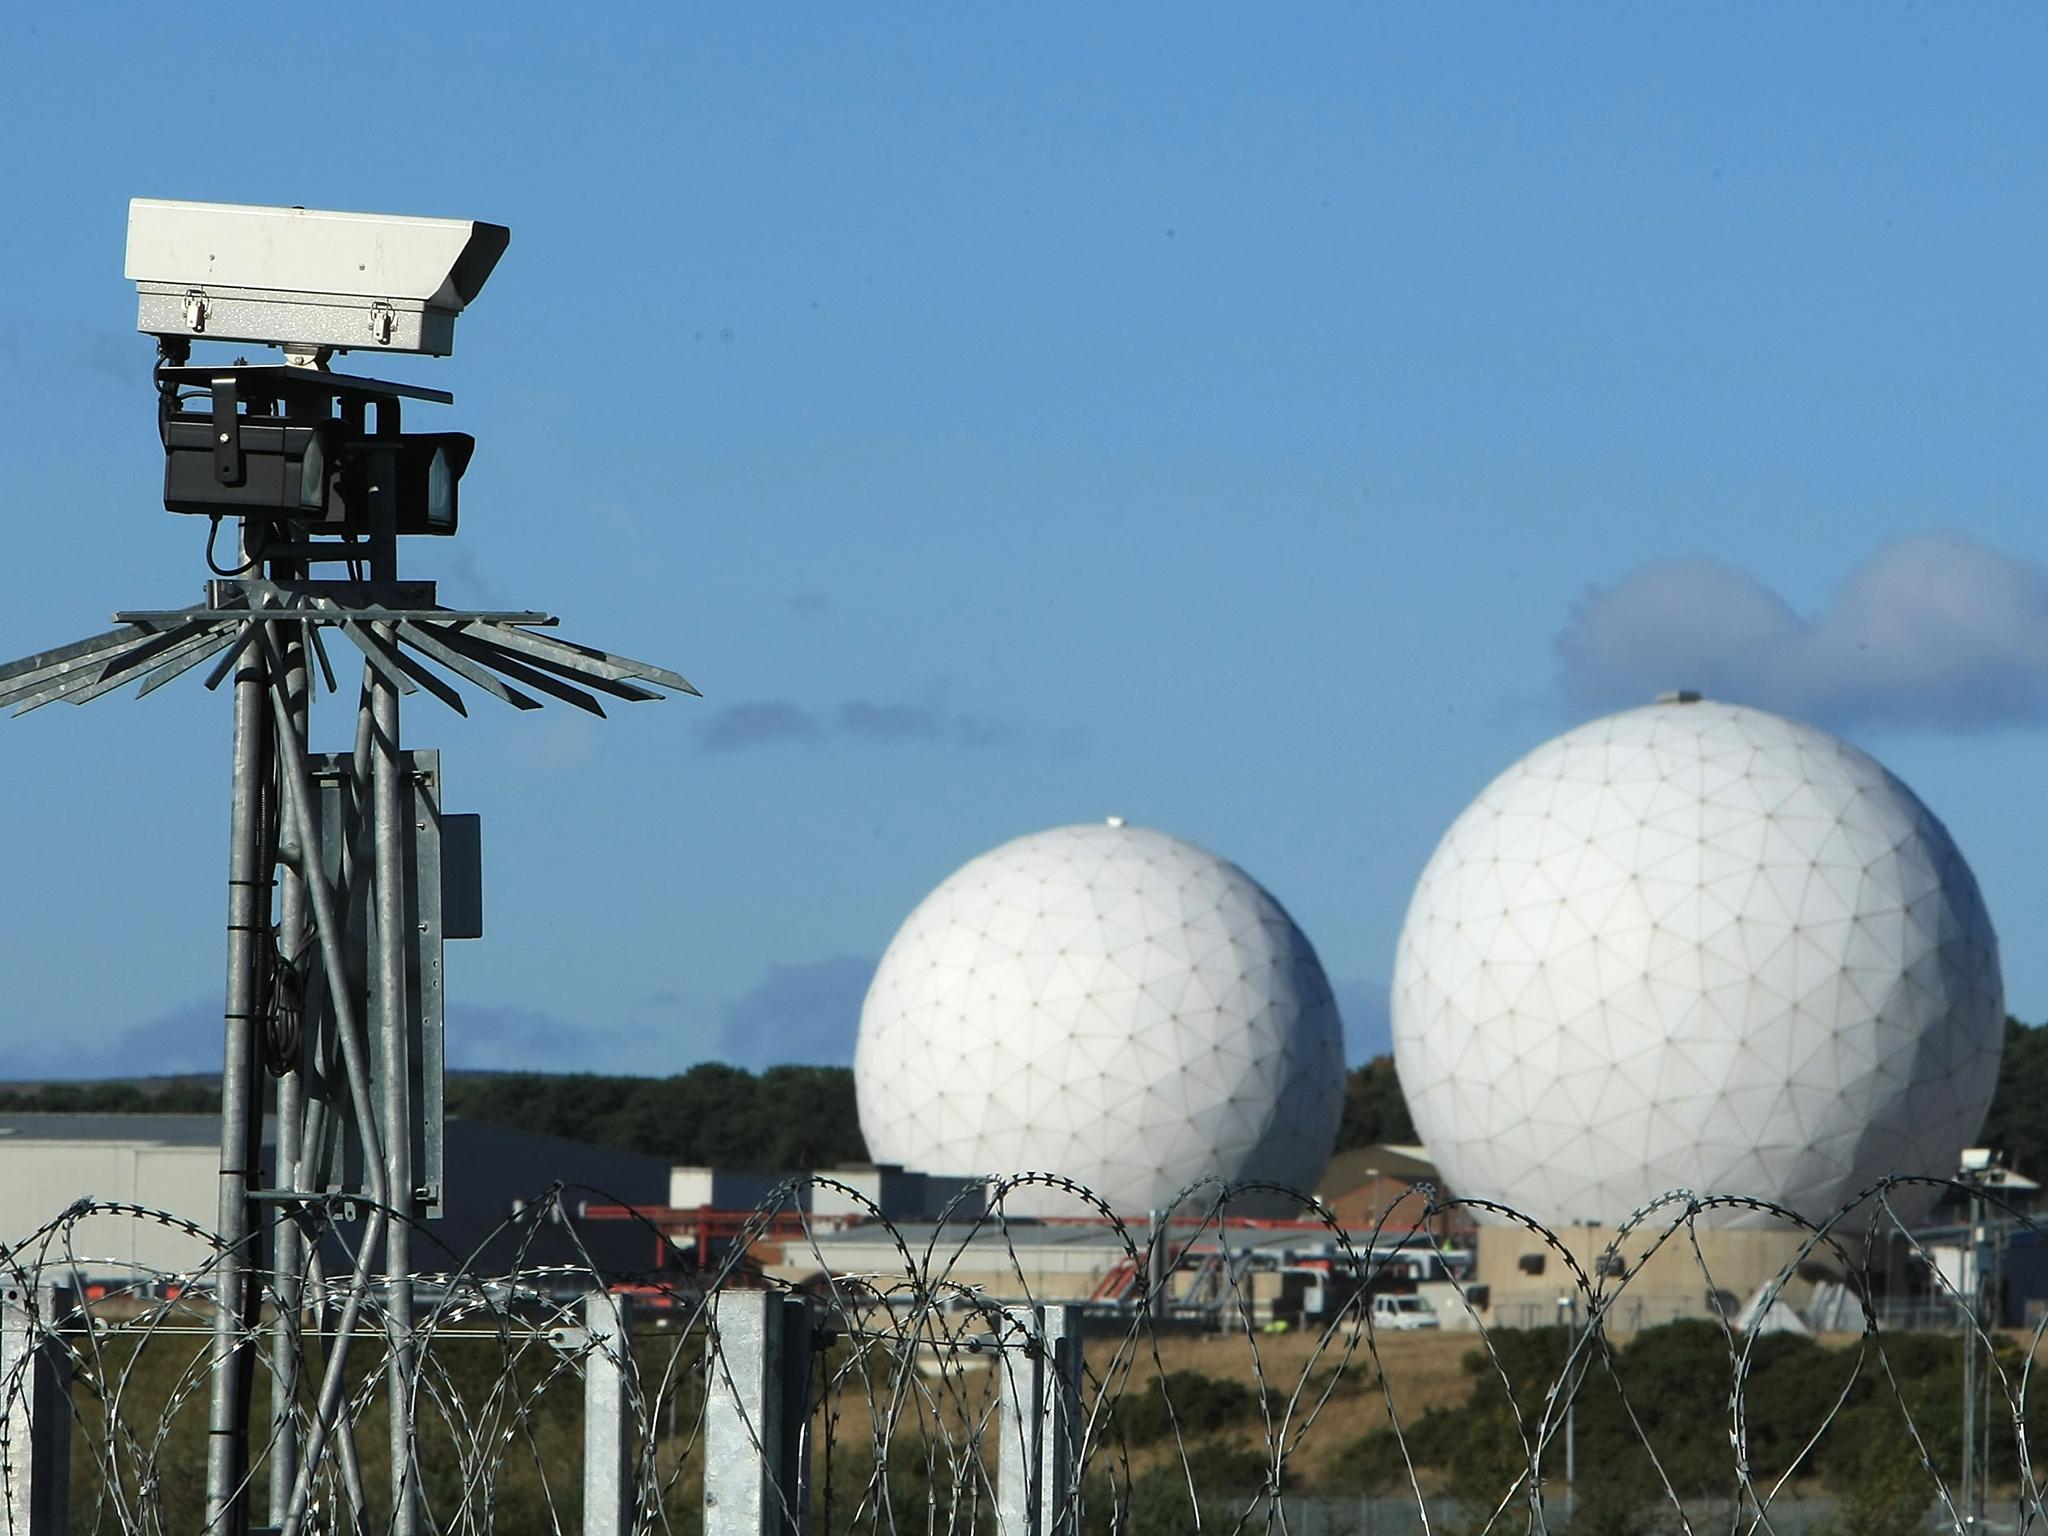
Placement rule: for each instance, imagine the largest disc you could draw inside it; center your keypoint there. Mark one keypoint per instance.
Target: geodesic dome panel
(1107, 1003)
(1700, 947)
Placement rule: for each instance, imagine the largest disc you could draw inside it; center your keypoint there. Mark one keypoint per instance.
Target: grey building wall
(496, 1175)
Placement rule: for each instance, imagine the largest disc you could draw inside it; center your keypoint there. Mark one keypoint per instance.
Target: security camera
(305, 279)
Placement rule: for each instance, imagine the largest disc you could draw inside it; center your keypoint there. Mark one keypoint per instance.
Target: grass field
(512, 1422)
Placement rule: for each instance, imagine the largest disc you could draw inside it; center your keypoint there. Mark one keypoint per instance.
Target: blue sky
(1264, 429)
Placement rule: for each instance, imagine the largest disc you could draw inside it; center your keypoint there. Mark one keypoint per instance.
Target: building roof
(156, 1130)
(1353, 1168)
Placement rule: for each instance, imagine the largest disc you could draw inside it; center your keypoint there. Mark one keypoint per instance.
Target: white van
(1403, 1313)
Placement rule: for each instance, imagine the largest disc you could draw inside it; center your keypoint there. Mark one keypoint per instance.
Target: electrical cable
(213, 533)
(282, 1006)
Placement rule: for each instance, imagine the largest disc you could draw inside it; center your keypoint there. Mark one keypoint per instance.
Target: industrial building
(496, 1206)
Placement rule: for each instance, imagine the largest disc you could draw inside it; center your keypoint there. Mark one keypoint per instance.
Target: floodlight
(285, 468)
(306, 278)
(317, 474)
(425, 470)
(263, 442)
(1976, 1159)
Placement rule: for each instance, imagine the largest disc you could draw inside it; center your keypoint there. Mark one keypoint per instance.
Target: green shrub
(1226, 1479)
(1879, 1485)
(1201, 1405)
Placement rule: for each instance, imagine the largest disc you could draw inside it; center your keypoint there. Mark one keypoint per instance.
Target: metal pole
(249, 866)
(744, 1494)
(1023, 1405)
(796, 1414)
(1061, 1456)
(35, 1413)
(351, 1037)
(1569, 1306)
(1155, 1269)
(287, 1244)
(1993, 1237)
(608, 1416)
(1039, 1438)
(1972, 1291)
(388, 835)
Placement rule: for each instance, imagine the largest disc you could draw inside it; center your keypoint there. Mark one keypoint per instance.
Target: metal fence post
(1155, 1269)
(796, 1415)
(35, 1413)
(756, 1418)
(1017, 1357)
(608, 1415)
(1039, 1441)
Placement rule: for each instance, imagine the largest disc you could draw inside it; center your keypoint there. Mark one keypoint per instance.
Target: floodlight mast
(345, 1015)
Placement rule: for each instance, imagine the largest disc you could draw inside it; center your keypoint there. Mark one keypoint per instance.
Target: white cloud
(807, 1012)
(1936, 631)
(929, 718)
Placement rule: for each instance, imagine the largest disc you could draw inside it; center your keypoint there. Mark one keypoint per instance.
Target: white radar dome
(1107, 1003)
(1695, 947)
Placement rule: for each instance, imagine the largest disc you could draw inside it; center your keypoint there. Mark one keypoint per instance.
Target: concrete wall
(1660, 1286)
(1046, 1271)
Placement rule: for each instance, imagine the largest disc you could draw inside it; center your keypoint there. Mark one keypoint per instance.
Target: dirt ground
(1422, 1370)
(1417, 1371)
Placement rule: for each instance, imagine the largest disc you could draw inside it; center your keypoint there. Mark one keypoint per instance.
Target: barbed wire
(1236, 1372)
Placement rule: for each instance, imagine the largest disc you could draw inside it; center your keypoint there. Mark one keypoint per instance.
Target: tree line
(786, 1117)
(794, 1117)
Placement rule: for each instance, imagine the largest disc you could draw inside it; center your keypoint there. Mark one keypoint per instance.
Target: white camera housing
(306, 278)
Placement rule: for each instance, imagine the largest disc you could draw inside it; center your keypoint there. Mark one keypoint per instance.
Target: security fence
(771, 1388)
